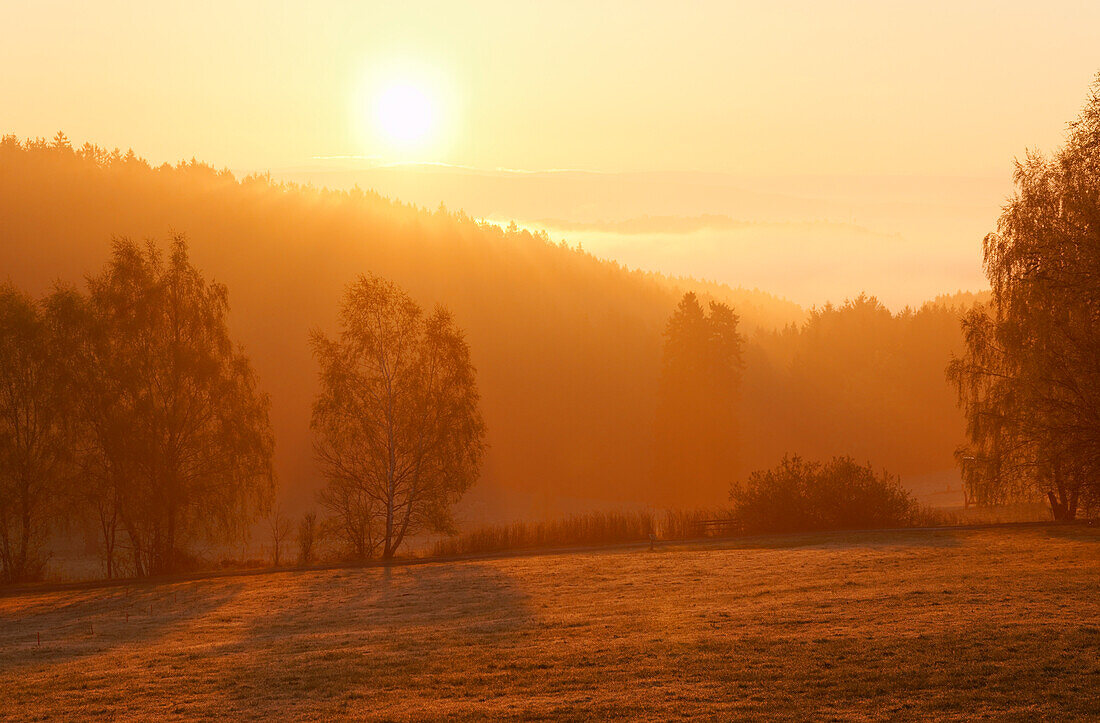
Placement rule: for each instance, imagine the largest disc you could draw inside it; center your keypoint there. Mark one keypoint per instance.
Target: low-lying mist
(567, 345)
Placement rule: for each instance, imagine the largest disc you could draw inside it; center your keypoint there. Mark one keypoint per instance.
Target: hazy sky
(882, 133)
(741, 87)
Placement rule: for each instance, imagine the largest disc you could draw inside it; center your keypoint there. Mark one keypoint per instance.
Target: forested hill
(567, 346)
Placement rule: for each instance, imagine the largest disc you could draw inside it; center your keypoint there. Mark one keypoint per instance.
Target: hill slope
(567, 346)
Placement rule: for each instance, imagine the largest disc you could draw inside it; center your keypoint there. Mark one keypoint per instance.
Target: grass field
(962, 624)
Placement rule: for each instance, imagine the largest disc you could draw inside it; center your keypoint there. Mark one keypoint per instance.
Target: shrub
(798, 496)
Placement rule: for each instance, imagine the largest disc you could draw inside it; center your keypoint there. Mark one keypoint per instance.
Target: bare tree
(280, 529)
(398, 432)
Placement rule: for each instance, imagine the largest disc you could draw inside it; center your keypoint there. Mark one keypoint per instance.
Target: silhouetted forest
(567, 347)
(859, 380)
(696, 436)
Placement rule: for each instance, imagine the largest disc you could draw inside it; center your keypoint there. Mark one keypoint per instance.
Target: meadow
(951, 624)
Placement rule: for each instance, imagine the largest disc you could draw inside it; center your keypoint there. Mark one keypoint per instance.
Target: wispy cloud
(678, 225)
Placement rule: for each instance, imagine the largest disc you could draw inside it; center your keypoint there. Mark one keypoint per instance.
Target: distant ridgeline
(567, 346)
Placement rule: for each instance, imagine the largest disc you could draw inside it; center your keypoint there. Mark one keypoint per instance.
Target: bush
(799, 496)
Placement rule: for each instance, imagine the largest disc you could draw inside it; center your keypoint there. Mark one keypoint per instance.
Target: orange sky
(744, 89)
(741, 87)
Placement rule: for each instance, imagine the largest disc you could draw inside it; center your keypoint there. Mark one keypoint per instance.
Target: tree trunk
(24, 534)
(1064, 504)
(1056, 507)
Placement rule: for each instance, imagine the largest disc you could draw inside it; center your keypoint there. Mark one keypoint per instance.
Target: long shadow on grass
(1076, 533)
(854, 539)
(1022, 671)
(57, 628)
(345, 635)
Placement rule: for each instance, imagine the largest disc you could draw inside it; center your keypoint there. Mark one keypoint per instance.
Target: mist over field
(628, 360)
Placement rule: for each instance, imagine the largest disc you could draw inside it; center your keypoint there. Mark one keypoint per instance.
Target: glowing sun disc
(404, 114)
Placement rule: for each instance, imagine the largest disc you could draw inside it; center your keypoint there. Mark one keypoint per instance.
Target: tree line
(128, 406)
(1027, 373)
(567, 346)
(126, 402)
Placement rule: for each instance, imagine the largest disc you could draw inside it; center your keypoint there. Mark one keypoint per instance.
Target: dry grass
(1018, 512)
(585, 529)
(947, 624)
(598, 528)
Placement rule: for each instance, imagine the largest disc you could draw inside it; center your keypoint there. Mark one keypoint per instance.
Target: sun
(404, 110)
(405, 115)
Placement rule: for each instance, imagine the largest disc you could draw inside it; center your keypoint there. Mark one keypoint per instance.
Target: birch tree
(176, 446)
(398, 430)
